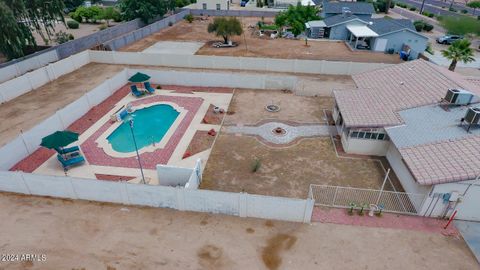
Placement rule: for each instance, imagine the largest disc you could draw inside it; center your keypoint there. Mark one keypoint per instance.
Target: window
(204, 6)
(218, 6)
(369, 134)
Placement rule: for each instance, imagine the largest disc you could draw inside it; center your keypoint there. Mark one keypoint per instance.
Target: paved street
(435, 7)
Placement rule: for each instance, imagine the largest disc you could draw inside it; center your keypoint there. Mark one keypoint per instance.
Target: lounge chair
(63, 151)
(135, 91)
(66, 163)
(121, 115)
(149, 88)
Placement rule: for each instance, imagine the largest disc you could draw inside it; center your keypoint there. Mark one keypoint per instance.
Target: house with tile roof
(362, 10)
(419, 116)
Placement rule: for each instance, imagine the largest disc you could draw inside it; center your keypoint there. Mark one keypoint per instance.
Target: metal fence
(343, 197)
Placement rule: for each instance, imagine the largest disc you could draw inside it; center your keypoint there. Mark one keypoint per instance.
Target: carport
(359, 33)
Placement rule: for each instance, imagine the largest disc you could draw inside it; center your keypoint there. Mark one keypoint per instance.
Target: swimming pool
(150, 126)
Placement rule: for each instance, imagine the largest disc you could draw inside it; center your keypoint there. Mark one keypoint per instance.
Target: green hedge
(72, 24)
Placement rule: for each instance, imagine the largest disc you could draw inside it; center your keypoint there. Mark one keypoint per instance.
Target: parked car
(448, 39)
(243, 3)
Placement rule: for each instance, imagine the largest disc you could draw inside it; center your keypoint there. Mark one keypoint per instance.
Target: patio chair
(135, 91)
(66, 163)
(63, 151)
(149, 88)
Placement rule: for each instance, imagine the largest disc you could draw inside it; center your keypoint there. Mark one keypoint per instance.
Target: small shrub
(478, 17)
(464, 11)
(189, 18)
(159, 87)
(412, 8)
(452, 9)
(430, 15)
(103, 27)
(419, 25)
(73, 24)
(256, 165)
(170, 23)
(75, 16)
(428, 27)
(429, 48)
(62, 37)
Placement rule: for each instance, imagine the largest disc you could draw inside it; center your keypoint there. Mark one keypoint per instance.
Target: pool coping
(103, 143)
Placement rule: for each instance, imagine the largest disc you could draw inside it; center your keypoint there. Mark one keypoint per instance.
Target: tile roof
(384, 92)
(338, 19)
(355, 7)
(383, 26)
(434, 147)
(444, 161)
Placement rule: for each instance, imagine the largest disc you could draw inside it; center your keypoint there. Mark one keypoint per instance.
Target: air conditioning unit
(472, 116)
(458, 97)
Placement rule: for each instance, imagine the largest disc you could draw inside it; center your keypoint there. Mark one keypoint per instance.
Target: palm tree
(459, 51)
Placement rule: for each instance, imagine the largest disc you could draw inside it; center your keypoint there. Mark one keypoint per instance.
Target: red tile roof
(385, 91)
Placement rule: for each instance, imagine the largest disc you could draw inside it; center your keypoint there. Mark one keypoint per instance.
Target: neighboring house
(407, 113)
(394, 34)
(380, 35)
(213, 4)
(362, 10)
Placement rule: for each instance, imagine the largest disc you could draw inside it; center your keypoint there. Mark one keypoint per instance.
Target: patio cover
(361, 31)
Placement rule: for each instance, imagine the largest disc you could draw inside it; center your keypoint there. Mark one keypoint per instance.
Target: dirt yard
(251, 45)
(26, 111)
(248, 107)
(286, 172)
(82, 235)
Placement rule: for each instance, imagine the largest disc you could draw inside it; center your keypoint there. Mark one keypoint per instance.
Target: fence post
(383, 186)
(309, 205)
(335, 196)
(25, 143)
(74, 193)
(125, 198)
(25, 183)
(179, 192)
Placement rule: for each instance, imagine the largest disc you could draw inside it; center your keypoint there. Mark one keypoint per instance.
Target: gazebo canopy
(361, 31)
(139, 77)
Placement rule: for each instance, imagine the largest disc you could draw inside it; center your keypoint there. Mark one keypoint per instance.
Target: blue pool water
(149, 126)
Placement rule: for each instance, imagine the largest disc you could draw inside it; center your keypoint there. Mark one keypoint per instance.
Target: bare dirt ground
(83, 235)
(252, 46)
(286, 172)
(26, 111)
(248, 107)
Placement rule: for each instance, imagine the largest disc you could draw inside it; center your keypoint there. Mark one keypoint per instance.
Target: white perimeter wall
(234, 63)
(237, 204)
(29, 141)
(34, 79)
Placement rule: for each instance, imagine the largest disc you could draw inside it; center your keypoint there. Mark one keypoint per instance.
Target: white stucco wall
(212, 4)
(467, 207)
(365, 146)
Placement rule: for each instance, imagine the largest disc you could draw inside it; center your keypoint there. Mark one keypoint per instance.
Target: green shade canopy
(139, 77)
(59, 139)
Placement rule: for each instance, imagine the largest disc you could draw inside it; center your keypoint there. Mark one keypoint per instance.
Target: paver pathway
(292, 133)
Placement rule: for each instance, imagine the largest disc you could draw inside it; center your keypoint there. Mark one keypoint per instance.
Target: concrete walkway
(470, 232)
(291, 132)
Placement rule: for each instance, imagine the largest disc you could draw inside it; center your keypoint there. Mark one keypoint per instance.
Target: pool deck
(195, 100)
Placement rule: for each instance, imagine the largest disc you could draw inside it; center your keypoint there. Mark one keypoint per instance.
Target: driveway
(470, 232)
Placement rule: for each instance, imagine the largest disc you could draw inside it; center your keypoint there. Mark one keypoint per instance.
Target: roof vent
(346, 12)
(472, 117)
(458, 97)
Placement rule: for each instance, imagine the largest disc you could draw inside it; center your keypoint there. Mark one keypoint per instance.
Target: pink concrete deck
(387, 220)
(96, 156)
(37, 158)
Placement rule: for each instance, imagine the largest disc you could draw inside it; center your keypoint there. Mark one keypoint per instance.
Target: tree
(146, 10)
(110, 13)
(459, 51)
(225, 27)
(460, 25)
(19, 18)
(296, 17)
(474, 5)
